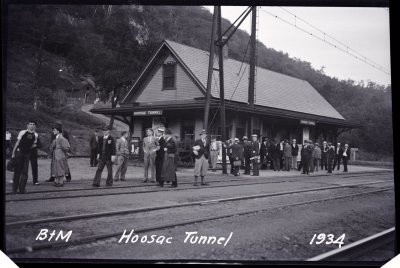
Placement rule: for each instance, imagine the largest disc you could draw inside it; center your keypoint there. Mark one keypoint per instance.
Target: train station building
(171, 91)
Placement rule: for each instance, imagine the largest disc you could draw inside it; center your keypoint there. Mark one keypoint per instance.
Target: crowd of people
(283, 155)
(160, 156)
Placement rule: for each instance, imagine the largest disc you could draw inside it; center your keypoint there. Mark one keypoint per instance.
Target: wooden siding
(185, 87)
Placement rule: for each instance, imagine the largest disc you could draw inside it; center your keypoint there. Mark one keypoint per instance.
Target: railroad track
(196, 203)
(91, 238)
(241, 182)
(341, 175)
(358, 248)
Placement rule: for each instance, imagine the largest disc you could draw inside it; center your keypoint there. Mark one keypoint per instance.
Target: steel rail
(358, 248)
(157, 190)
(186, 204)
(93, 238)
(352, 175)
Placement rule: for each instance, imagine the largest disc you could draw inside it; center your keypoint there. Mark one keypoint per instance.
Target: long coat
(255, 149)
(331, 154)
(58, 150)
(274, 151)
(168, 171)
(236, 151)
(263, 150)
(247, 149)
(287, 150)
(316, 153)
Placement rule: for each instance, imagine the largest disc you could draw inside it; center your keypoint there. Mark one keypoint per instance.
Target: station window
(169, 75)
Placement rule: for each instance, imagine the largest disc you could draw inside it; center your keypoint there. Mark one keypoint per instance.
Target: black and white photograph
(246, 134)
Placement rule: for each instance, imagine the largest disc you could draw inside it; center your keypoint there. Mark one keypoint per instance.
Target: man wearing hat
(106, 155)
(65, 135)
(247, 155)
(201, 150)
(316, 154)
(160, 153)
(324, 155)
(149, 148)
(122, 151)
(311, 161)
(295, 153)
(330, 156)
(228, 148)
(338, 156)
(236, 152)
(275, 155)
(255, 154)
(305, 157)
(345, 156)
(287, 154)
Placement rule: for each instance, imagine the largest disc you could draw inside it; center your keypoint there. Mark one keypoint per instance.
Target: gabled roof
(272, 89)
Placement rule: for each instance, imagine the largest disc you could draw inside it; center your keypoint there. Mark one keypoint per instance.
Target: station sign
(307, 122)
(148, 113)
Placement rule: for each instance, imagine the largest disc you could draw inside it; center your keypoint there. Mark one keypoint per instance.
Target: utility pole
(222, 93)
(210, 72)
(252, 64)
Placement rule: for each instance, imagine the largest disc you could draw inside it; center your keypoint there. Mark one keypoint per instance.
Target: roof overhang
(127, 110)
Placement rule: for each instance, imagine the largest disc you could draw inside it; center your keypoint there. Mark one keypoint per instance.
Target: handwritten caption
(328, 239)
(131, 237)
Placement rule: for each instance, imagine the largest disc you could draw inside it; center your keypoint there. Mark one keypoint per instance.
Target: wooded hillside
(111, 44)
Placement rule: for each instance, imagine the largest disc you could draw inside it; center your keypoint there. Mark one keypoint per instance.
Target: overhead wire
(346, 48)
(327, 35)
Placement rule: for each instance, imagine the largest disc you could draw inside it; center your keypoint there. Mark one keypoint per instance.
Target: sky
(359, 30)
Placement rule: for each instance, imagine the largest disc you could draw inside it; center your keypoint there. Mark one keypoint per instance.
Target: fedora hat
(203, 132)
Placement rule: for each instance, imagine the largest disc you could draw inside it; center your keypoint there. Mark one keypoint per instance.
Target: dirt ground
(280, 234)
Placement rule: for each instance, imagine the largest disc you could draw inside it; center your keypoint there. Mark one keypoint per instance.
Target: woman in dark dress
(168, 171)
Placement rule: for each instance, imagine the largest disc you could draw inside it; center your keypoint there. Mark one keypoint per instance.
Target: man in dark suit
(345, 156)
(94, 142)
(295, 153)
(264, 153)
(33, 159)
(275, 155)
(281, 147)
(106, 155)
(305, 157)
(201, 149)
(338, 156)
(330, 156)
(236, 151)
(65, 135)
(324, 155)
(255, 155)
(160, 154)
(228, 150)
(247, 155)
